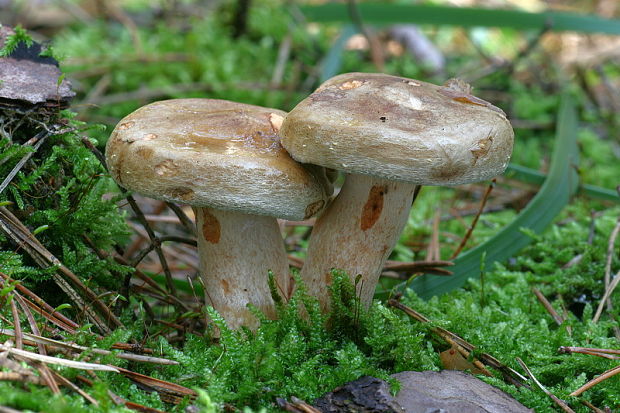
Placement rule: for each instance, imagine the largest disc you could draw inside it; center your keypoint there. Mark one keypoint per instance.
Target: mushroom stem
(357, 234)
(236, 252)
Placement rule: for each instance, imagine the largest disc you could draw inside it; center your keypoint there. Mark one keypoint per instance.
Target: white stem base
(236, 252)
(357, 234)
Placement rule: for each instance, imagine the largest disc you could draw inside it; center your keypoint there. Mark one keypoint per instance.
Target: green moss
(65, 190)
(12, 41)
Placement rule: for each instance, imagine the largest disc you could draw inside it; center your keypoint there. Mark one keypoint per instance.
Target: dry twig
(464, 347)
(55, 360)
(485, 197)
(168, 392)
(609, 286)
(559, 319)
(561, 403)
(42, 308)
(78, 349)
(40, 138)
(22, 236)
(608, 292)
(600, 352)
(296, 406)
(609, 373)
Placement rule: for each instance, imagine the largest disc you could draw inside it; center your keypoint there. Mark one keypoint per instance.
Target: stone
(450, 391)
(29, 79)
(364, 395)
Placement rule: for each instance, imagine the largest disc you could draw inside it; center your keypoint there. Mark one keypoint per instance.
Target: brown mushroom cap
(399, 129)
(215, 153)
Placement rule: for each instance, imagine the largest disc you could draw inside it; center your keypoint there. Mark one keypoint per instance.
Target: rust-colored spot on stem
(373, 207)
(211, 230)
(225, 286)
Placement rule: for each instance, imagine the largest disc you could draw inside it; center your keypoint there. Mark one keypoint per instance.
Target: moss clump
(298, 356)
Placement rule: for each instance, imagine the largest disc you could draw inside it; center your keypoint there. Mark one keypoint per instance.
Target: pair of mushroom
(227, 159)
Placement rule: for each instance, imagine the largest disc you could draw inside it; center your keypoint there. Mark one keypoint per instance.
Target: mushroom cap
(215, 153)
(400, 129)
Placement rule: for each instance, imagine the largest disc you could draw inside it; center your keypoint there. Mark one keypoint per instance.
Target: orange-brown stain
(373, 207)
(145, 152)
(467, 99)
(351, 84)
(328, 278)
(225, 286)
(210, 227)
(447, 172)
(183, 193)
(126, 125)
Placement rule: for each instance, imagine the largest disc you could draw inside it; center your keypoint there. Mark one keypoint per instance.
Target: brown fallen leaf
(168, 392)
(452, 359)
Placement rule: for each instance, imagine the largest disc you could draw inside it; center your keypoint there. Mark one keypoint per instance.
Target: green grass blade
(333, 59)
(378, 13)
(561, 183)
(532, 176)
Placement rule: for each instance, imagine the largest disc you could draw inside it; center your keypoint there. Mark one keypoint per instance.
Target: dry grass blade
(608, 287)
(296, 406)
(18, 328)
(57, 361)
(42, 308)
(592, 407)
(140, 408)
(404, 270)
(609, 373)
(612, 286)
(75, 388)
(543, 300)
(133, 348)
(600, 352)
(46, 374)
(40, 138)
(22, 236)
(464, 347)
(554, 314)
(433, 267)
(561, 403)
(483, 203)
(168, 392)
(76, 348)
(22, 378)
(415, 266)
(117, 399)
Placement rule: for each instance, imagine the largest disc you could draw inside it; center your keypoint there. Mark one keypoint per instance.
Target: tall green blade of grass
(380, 13)
(561, 183)
(532, 176)
(330, 66)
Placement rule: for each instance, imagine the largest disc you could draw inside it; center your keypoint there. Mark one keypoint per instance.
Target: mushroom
(388, 134)
(225, 160)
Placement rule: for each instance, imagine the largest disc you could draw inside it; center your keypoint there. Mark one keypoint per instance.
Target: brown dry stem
(561, 403)
(464, 347)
